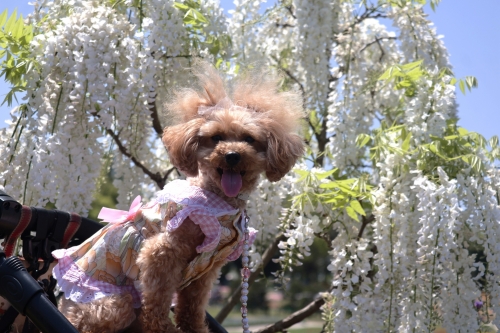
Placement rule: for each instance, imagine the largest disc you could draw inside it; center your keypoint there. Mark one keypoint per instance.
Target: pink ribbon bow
(119, 216)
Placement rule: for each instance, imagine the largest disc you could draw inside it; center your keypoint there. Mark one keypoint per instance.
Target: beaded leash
(245, 274)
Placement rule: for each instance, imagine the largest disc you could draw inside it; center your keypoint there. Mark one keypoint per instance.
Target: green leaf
(17, 30)
(21, 64)
(323, 175)
(387, 74)
(315, 121)
(343, 185)
(236, 69)
(12, 94)
(362, 140)
(462, 131)
(406, 142)
(438, 146)
(332, 184)
(446, 71)
(181, 6)
(476, 163)
(14, 48)
(412, 65)
(357, 207)
(3, 18)
(404, 84)
(28, 30)
(461, 85)
(493, 141)
(334, 201)
(350, 211)
(10, 22)
(302, 173)
(433, 147)
(415, 73)
(193, 16)
(451, 137)
(471, 82)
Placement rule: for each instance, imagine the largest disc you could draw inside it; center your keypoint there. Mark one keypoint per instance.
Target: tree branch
(364, 222)
(295, 317)
(377, 40)
(235, 296)
(186, 56)
(322, 140)
(169, 171)
(290, 75)
(294, 79)
(284, 25)
(156, 177)
(156, 119)
(290, 10)
(366, 15)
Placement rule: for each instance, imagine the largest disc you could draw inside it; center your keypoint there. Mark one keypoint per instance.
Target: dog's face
(232, 151)
(230, 144)
(232, 147)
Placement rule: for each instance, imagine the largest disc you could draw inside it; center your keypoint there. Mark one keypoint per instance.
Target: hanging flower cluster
(419, 40)
(81, 88)
(265, 211)
(316, 24)
(361, 54)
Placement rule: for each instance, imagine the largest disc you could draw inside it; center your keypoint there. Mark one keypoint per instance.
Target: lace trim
(81, 288)
(179, 191)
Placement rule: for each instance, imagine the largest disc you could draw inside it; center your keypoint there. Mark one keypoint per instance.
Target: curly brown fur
(109, 314)
(271, 117)
(249, 128)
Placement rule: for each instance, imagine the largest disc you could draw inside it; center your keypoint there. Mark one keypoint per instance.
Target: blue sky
(471, 33)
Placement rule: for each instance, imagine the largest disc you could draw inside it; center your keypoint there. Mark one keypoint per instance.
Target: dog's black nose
(232, 158)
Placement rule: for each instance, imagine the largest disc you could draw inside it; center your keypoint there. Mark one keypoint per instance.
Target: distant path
(315, 326)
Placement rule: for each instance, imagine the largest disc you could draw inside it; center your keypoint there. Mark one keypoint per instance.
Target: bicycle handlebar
(27, 297)
(10, 213)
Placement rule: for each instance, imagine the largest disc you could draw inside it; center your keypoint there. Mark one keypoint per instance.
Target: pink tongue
(231, 183)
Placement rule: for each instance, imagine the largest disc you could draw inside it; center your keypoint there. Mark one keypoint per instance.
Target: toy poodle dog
(126, 275)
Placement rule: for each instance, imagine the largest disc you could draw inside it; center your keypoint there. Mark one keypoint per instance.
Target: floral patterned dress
(105, 264)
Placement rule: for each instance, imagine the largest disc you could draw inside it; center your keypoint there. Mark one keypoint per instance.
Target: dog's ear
(181, 142)
(283, 150)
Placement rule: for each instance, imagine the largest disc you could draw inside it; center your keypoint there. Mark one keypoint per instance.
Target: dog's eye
(216, 138)
(249, 139)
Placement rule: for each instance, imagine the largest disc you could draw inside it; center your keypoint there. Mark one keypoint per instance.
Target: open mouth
(231, 181)
(220, 171)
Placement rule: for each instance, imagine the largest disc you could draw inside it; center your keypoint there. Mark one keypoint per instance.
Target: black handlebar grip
(16, 284)
(27, 297)
(10, 213)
